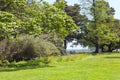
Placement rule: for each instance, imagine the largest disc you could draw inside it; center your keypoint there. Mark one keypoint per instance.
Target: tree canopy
(62, 20)
(34, 18)
(99, 31)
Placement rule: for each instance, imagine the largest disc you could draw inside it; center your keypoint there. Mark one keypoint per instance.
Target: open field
(99, 67)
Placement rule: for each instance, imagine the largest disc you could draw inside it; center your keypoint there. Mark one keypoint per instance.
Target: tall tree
(40, 17)
(74, 13)
(99, 31)
(80, 20)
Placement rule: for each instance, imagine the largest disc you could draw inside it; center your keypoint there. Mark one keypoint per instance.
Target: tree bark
(109, 48)
(98, 49)
(102, 49)
(65, 44)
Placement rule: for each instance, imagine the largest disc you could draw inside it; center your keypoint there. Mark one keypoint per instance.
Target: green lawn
(100, 67)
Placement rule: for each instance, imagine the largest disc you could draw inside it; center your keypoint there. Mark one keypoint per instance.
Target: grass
(72, 67)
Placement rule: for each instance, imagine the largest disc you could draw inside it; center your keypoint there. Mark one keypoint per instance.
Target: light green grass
(99, 67)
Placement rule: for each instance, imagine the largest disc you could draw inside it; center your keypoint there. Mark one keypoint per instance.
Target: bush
(26, 48)
(3, 60)
(58, 42)
(37, 62)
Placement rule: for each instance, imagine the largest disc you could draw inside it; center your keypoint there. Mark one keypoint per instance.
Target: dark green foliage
(79, 19)
(37, 62)
(74, 12)
(115, 44)
(3, 60)
(99, 32)
(11, 5)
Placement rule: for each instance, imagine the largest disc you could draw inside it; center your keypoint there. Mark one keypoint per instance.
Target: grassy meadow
(71, 67)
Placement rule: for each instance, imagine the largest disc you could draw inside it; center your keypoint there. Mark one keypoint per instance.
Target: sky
(113, 3)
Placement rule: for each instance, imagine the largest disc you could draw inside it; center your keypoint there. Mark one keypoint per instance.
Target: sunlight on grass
(72, 67)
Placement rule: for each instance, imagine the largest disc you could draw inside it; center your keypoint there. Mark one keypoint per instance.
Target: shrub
(26, 48)
(37, 62)
(58, 42)
(3, 60)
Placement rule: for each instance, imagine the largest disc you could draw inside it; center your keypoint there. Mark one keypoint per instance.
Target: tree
(74, 12)
(21, 22)
(99, 31)
(58, 23)
(8, 25)
(39, 18)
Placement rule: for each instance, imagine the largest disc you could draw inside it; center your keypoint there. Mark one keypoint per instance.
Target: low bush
(58, 42)
(26, 48)
(3, 60)
(37, 62)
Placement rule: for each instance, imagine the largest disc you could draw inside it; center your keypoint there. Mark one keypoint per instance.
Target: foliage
(26, 48)
(99, 31)
(3, 60)
(37, 62)
(58, 42)
(56, 21)
(35, 18)
(116, 27)
(12, 24)
(67, 58)
(11, 5)
(60, 4)
(79, 19)
(8, 25)
(74, 12)
(43, 18)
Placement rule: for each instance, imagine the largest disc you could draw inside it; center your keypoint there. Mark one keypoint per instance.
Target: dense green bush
(26, 48)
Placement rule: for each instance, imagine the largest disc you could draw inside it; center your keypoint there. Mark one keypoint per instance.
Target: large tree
(38, 17)
(74, 12)
(34, 18)
(19, 20)
(99, 31)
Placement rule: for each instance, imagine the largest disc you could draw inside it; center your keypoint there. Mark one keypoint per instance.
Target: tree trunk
(102, 49)
(98, 49)
(65, 44)
(109, 48)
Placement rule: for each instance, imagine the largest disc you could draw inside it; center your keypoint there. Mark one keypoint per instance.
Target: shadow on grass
(113, 57)
(14, 67)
